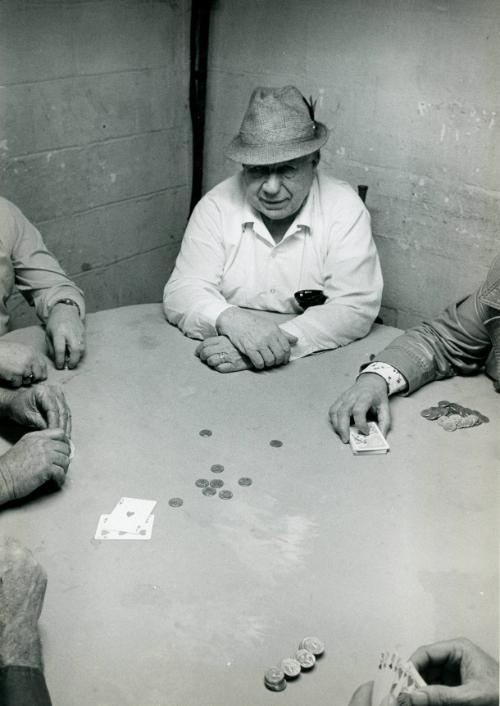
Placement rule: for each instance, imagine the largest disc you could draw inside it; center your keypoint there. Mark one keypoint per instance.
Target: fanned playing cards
(394, 677)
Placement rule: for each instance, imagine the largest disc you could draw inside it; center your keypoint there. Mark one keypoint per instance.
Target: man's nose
(272, 184)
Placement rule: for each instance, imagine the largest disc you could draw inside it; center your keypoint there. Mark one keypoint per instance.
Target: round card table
(365, 553)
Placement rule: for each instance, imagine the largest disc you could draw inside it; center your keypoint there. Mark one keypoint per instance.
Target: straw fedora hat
(278, 125)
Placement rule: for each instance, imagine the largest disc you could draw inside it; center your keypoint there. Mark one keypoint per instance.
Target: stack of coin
(290, 667)
(274, 679)
(452, 416)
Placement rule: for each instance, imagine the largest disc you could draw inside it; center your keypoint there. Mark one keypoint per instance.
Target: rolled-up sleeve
(38, 275)
(352, 284)
(191, 299)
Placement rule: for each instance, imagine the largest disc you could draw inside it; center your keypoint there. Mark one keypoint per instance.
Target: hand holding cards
(130, 519)
(394, 678)
(368, 444)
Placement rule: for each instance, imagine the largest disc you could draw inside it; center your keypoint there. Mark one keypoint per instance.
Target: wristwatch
(69, 302)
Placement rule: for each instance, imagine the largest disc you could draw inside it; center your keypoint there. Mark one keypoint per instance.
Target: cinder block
(49, 185)
(50, 115)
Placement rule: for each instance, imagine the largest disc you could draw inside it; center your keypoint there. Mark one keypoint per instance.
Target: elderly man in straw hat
(462, 340)
(279, 226)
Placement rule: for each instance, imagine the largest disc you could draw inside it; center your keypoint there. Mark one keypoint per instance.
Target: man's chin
(277, 213)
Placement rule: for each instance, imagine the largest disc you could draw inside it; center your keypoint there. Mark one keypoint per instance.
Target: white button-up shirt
(228, 258)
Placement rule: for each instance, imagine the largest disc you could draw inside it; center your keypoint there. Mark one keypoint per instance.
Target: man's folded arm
(353, 286)
(191, 298)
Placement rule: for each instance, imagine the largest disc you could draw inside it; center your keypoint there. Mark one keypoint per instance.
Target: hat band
(277, 138)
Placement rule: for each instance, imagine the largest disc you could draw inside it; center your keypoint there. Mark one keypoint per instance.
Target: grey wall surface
(410, 89)
(95, 138)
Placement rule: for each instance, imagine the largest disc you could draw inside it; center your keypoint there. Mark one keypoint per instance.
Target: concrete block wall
(95, 138)
(411, 91)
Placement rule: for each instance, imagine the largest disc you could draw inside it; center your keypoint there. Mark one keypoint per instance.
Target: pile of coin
(209, 487)
(452, 416)
(304, 659)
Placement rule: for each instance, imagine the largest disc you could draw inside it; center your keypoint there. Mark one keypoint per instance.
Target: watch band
(68, 302)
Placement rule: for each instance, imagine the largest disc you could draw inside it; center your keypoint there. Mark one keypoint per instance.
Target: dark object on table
(309, 297)
(362, 189)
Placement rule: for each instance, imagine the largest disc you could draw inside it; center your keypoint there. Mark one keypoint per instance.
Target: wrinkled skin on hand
(22, 590)
(38, 457)
(41, 406)
(263, 342)
(21, 364)
(369, 392)
(219, 353)
(458, 673)
(65, 333)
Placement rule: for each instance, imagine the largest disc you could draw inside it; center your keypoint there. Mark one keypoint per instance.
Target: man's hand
(22, 590)
(20, 364)
(263, 342)
(41, 406)
(219, 353)
(458, 672)
(368, 392)
(65, 335)
(363, 695)
(37, 457)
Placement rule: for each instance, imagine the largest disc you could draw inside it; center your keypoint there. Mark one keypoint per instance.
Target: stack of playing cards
(131, 519)
(368, 444)
(394, 677)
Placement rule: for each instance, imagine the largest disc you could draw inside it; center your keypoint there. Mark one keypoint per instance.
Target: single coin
(432, 413)
(245, 481)
(312, 644)
(305, 658)
(290, 667)
(209, 491)
(206, 432)
(175, 502)
(217, 468)
(225, 494)
(444, 403)
(274, 679)
(275, 442)
(201, 483)
(216, 483)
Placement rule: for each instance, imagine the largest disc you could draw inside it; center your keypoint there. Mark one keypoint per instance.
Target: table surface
(365, 553)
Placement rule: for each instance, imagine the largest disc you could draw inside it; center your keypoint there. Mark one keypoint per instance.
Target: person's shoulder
(10, 216)
(330, 186)
(223, 197)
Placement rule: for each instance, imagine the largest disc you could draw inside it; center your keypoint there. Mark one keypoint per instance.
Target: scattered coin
(217, 468)
(305, 658)
(290, 667)
(432, 413)
(209, 491)
(275, 442)
(245, 481)
(225, 494)
(175, 502)
(274, 679)
(313, 645)
(201, 483)
(216, 483)
(206, 432)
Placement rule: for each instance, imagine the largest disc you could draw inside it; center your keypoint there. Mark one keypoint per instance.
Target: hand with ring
(219, 353)
(21, 364)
